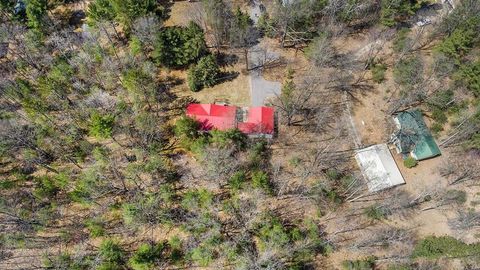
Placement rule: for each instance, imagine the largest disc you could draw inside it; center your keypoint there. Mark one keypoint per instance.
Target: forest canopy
(101, 168)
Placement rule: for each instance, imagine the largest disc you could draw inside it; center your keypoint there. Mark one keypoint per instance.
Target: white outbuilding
(378, 167)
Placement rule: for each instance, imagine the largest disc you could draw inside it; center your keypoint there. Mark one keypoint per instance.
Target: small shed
(378, 167)
(413, 136)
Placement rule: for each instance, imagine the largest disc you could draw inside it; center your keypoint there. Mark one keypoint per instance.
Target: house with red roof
(253, 121)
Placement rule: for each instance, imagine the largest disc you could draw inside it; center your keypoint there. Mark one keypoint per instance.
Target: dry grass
(183, 12)
(236, 91)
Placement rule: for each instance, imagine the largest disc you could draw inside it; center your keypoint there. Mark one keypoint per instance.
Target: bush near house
(410, 162)
(186, 127)
(228, 138)
(204, 74)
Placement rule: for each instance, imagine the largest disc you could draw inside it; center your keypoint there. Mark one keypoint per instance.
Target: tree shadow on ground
(177, 107)
(172, 81)
(167, 9)
(226, 60)
(227, 76)
(76, 18)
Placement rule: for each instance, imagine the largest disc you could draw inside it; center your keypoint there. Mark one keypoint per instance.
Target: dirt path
(353, 129)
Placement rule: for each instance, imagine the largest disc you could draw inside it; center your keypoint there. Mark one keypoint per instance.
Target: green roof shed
(414, 137)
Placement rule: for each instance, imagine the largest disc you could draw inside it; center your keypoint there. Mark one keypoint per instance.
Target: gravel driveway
(260, 89)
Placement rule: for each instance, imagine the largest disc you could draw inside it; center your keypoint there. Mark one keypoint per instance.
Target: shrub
(36, 11)
(46, 187)
(186, 127)
(378, 73)
(176, 254)
(259, 148)
(410, 162)
(135, 45)
(408, 71)
(375, 212)
(198, 146)
(438, 115)
(272, 234)
(197, 199)
(101, 126)
(458, 43)
(49, 186)
(257, 154)
(194, 80)
(364, 264)
(436, 128)
(401, 40)
(204, 74)
(237, 180)
(148, 208)
(146, 256)
(473, 142)
(201, 255)
(228, 137)
(95, 227)
(333, 174)
(111, 252)
(458, 196)
(260, 180)
(441, 99)
(433, 247)
(294, 161)
(65, 260)
(469, 75)
(7, 184)
(398, 10)
(331, 195)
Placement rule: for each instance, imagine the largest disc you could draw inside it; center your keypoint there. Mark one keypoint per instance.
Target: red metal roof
(213, 116)
(260, 120)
